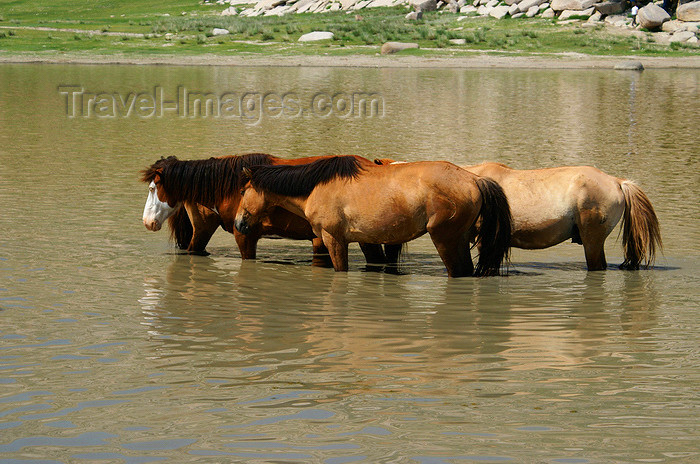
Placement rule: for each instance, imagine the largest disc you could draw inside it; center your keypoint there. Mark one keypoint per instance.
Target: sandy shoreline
(550, 61)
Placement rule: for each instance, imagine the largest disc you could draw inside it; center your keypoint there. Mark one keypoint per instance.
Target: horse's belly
(533, 234)
(386, 229)
(535, 240)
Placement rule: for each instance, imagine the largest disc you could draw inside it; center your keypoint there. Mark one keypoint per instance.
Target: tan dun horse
(198, 196)
(347, 201)
(580, 203)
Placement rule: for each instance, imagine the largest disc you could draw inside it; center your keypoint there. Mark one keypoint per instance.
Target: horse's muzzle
(242, 225)
(153, 225)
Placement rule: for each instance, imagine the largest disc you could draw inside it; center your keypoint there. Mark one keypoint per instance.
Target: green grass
(97, 11)
(187, 29)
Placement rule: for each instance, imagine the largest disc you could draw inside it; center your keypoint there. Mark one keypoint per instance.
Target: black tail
(493, 236)
(180, 228)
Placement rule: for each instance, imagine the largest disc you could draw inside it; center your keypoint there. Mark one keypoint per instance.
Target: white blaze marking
(156, 212)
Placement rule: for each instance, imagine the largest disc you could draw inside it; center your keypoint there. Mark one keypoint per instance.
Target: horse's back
(569, 184)
(436, 177)
(396, 199)
(404, 183)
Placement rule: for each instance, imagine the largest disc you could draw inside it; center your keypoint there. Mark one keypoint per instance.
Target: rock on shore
(395, 47)
(652, 16)
(689, 12)
(316, 36)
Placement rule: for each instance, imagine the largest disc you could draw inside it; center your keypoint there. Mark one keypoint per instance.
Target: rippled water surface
(115, 348)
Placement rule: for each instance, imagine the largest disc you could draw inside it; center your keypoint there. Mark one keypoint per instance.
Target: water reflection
(415, 330)
(111, 341)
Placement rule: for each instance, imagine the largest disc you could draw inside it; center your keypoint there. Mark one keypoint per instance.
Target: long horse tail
(641, 235)
(181, 230)
(495, 231)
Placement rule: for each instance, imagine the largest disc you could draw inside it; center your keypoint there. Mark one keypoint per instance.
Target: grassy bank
(134, 28)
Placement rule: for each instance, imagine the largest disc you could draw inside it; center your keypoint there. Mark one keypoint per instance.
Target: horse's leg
(593, 231)
(320, 257)
(319, 247)
(338, 251)
(392, 253)
(204, 224)
(373, 253)
(451, 239)
(454, 252)
(247, 244)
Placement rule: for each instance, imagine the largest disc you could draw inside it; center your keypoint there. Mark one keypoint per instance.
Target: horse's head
(254, 205)
(158, 206)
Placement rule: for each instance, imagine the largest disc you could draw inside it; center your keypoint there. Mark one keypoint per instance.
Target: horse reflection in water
(198, 196)
(361, 331)
(347, 201)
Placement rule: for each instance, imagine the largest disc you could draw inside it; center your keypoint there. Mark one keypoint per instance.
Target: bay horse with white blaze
(347, 201)
(198, 196)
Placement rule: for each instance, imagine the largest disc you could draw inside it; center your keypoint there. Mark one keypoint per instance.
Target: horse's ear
(247, 173)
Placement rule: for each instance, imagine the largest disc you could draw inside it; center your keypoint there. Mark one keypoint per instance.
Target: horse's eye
(242, 192)
(151, 189)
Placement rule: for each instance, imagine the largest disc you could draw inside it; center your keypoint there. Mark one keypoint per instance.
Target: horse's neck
(295, 205)
(209, 183)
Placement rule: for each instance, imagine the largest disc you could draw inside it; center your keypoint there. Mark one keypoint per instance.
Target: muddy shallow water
(114, 347)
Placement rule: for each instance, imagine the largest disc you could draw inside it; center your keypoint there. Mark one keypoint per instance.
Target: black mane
(203, 181)
(300, 180)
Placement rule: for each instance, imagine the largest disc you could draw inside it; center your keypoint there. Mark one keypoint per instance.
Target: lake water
(115, 348)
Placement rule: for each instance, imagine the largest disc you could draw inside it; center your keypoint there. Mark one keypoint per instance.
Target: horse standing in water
(347, 201)
(580, 203)
(198, 196)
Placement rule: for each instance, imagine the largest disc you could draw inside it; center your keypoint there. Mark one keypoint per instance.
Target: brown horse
(580, 203)
(198, 196)
(347, 201)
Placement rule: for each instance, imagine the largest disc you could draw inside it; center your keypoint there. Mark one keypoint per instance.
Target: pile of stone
(613, 12)
(653, 18)
(683, 29)
(282, 7)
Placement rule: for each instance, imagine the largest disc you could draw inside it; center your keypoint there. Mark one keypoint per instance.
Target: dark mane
(298, 181)
(203, 181)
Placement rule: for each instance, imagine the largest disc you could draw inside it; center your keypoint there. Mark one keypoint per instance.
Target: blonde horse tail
(181, 230)
(493, 235)
(641, 235)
